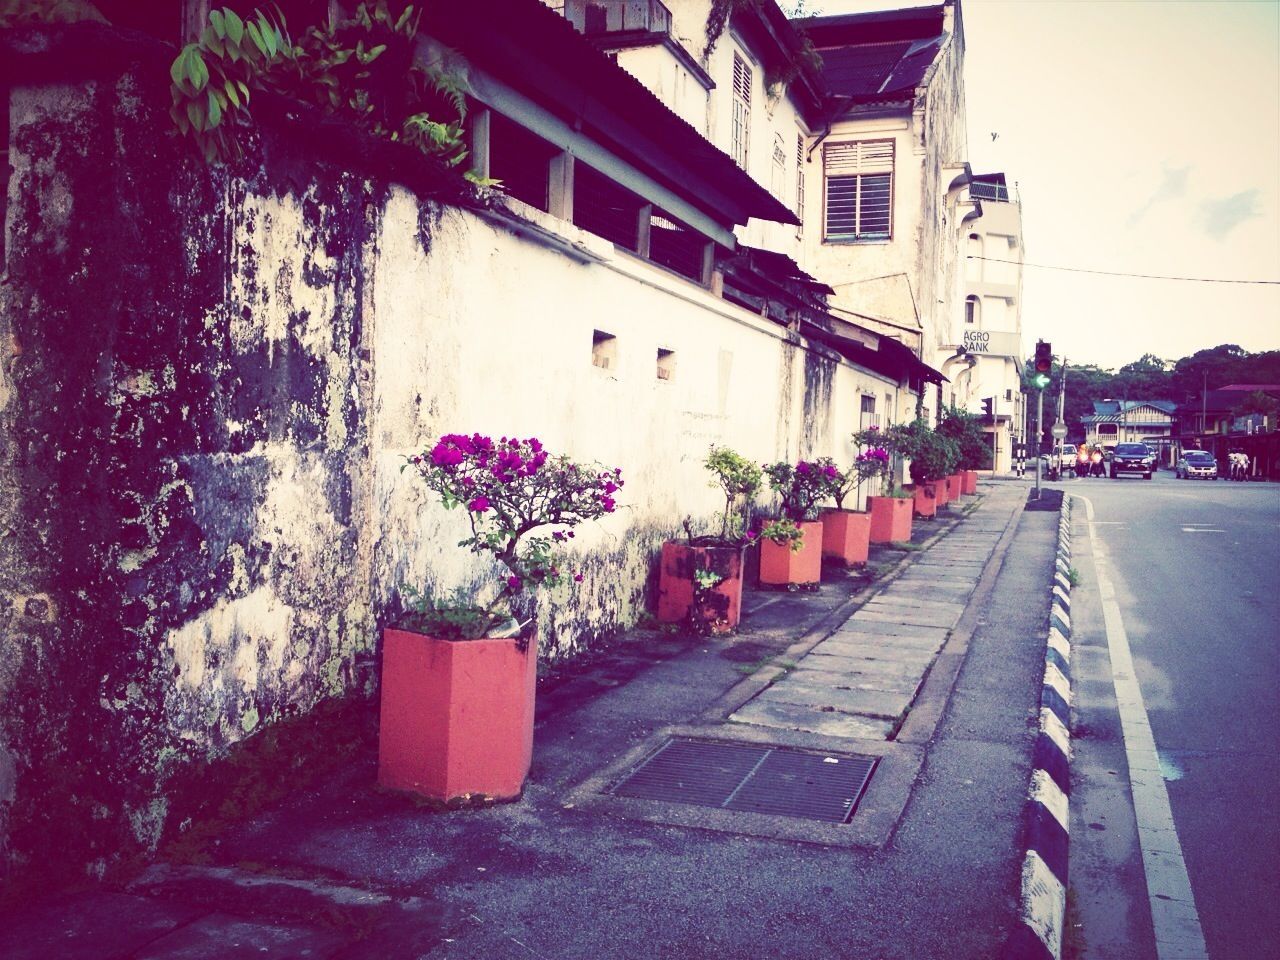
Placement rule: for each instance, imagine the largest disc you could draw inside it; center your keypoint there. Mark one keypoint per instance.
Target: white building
(886, 173)
(986, 365)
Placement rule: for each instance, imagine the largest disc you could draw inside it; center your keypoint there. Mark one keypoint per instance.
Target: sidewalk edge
(1042, 901)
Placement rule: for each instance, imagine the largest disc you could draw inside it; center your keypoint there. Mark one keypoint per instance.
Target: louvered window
(800, 181)
(741, 111)
(859, 179)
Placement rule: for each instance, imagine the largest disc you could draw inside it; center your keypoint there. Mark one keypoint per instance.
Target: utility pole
(1039, 434)
(995, 433)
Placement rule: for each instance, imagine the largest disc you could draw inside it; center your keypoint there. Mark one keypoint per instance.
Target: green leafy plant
(932, 455)
(739, 480)
(784, 532)
(973, 442)
(364, 69)
(1073, 577)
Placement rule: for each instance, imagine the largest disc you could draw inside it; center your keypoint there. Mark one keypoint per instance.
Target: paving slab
(860, 666)
(822, 679)
(877, 650)
(89, 927)
(893, 601)
(790, 716)
(872, 703)
(873, 628)
(906, 614)
(229, 938)
(853, 644)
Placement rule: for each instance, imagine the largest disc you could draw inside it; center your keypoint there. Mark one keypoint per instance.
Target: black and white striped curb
(1043, 894)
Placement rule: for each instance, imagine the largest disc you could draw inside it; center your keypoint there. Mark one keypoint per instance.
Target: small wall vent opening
(604, 350)
(666, 364)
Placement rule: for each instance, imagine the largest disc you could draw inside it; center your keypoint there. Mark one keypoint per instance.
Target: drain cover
(751, 778)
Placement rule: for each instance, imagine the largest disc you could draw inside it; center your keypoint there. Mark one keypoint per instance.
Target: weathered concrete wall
(209, 383)
(180, 411)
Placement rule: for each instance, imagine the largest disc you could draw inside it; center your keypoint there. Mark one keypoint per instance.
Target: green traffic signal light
(1040, 380)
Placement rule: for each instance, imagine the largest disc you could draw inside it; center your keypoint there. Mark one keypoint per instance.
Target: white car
(1197, 463)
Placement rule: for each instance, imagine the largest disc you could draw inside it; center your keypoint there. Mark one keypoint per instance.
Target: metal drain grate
(755, 779)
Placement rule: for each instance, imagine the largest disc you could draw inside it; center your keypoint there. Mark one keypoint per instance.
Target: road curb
(1042, 902)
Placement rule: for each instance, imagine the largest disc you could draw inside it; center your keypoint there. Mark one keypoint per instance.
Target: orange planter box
(846, 536)
(781, 566)
(457, 716)
(890, 519)
(970, 484)
(925, 500)
(955, 483)
(721, 609)
(941, 492)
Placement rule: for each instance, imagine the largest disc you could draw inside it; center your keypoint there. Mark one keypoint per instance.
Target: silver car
(1197, 464)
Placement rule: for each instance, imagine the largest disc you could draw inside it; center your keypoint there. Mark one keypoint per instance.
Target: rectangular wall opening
(666, 364)
(605, 209)
(520, 160)
(604, 350)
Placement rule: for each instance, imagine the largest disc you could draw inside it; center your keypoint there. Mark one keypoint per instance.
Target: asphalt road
(1195, 567)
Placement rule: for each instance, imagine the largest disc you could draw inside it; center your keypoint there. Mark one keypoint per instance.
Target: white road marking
(1203, 530)
(1173, 905)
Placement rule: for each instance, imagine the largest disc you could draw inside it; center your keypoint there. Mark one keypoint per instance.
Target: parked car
(1197, 463)
(1064, 455)
(1132, 458)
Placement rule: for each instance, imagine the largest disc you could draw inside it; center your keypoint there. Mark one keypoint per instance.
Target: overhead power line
(1113, 273)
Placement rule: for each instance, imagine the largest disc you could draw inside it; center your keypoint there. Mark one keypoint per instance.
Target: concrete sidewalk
(931, 671)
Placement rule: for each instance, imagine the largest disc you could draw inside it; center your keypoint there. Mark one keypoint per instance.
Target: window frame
(740, 111)
(857, 237)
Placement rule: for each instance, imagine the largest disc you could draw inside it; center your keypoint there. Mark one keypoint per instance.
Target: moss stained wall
(180, 396)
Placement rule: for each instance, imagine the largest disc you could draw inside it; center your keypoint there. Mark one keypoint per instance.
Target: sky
(1144, 138)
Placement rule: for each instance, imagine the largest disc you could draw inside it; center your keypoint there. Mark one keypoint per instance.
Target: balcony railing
(989, 191)
(595, 17)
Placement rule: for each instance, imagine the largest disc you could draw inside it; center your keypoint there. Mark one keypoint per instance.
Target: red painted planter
(890, 519)
(721, 609)
(941, 492)
(925, 500)
(781, 566)
(846, 536)
(970, 484)
(457, 716)
(954, 484)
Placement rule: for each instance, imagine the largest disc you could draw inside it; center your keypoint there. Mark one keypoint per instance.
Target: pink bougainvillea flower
(608, 504)
(577, 578)
(515, 583)
(478, 505)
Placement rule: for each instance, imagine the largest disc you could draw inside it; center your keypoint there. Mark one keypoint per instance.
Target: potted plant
(458, 676)
(933, 457)
(791, 556)
(891, 511)
(700, 577)
(975, 446)
(846, 534)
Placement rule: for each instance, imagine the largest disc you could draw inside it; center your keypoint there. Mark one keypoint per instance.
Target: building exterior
(1240, 417)
(986, 368)
(885, 174)
(1131, 421)
(217, 374)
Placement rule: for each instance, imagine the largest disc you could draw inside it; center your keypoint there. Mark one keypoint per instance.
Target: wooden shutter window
(741, 111)
(859, 177)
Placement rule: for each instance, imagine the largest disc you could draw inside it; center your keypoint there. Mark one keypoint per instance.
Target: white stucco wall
(670, 81)
(486, 331)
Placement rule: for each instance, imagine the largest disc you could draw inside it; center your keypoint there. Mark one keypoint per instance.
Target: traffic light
(1044, 364)
(988, 405)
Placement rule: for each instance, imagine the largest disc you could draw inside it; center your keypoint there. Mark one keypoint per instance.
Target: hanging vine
(364, 69)
(806, 55)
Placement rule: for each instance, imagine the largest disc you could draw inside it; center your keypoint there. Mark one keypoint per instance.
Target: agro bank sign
(994, 344)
